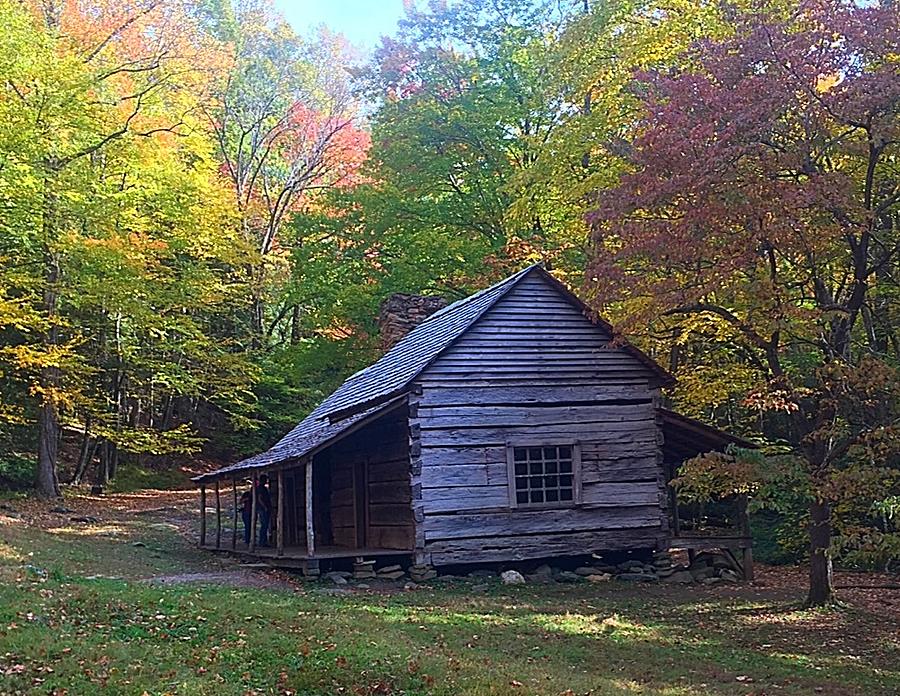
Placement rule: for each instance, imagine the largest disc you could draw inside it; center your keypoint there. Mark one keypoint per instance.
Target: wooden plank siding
(370, 493)
(533, 369)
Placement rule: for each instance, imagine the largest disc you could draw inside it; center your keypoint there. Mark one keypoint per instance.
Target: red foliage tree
(764, 193)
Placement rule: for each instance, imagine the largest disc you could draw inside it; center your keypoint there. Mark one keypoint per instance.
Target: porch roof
(685, 437)
(313, 434)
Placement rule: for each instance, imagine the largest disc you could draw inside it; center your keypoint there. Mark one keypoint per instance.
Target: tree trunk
(48, 449)
(295, 325)
(113, 467)
(118, 389)
(85, 454)
(168, 412)
(586, 157)
(49, 431)
(95, 445)
(107, 463)
(257, 307)
(820, 570)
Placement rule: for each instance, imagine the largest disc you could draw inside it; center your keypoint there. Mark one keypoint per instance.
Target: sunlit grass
(61, 609)
(10, 555)
(586, 624)
(94, 530)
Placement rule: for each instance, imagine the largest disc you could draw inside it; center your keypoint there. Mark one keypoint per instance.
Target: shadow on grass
(663, 644)
(129, 638)
(126, 637)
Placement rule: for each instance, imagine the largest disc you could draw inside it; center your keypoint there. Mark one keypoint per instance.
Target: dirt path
(156, 529)
(175, 507)
(233, 578)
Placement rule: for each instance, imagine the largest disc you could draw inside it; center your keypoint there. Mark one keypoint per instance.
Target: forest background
(203, 210)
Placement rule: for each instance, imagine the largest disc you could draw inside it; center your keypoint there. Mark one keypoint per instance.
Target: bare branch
(118, 30)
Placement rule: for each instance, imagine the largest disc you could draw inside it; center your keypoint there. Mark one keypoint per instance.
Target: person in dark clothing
(263, 508)
(247, 514)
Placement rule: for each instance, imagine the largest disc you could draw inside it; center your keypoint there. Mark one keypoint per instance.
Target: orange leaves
(147, 65)
(140, 34)
(131, 244)
(772, 399)
(340, 143)
(826, 83)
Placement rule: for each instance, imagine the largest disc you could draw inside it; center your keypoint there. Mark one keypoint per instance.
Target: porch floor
(299, 553)
(700, 542)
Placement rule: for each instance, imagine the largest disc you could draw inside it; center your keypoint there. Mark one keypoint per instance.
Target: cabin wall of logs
(534, 434)
(535, 371)
(364, 498)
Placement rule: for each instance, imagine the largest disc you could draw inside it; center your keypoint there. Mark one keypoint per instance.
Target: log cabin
(508, 426)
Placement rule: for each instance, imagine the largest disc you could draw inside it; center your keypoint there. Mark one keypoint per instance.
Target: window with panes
(544, 476)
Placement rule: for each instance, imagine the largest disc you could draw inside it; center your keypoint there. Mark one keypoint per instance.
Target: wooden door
(292, 525)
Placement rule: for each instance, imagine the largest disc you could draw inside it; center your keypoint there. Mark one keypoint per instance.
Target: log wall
(369, 494)
(534, 370)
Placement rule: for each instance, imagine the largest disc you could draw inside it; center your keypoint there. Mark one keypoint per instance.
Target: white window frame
(513, 445)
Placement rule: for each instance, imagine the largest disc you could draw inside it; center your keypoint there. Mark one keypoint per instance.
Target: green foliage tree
(117, 233)
(467, 100)
(485, 148)
(285, 122)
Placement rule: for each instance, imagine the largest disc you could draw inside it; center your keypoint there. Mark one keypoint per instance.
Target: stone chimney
(400, 314)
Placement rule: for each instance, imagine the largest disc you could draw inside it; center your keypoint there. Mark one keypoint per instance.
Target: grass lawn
(78, 615)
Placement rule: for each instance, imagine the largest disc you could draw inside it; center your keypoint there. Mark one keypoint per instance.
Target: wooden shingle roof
(380, 387)
(685, 437)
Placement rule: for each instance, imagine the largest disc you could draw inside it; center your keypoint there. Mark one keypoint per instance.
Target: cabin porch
(350, 499)
(299, 558)
(724, 526)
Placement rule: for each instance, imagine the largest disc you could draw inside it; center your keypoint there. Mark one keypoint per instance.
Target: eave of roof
(710, 438)
(316, 441)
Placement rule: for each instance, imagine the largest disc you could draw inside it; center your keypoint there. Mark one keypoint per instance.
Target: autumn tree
(485, 146)
(100, 105)
(763, 194)
(285, 120)
(600, 47)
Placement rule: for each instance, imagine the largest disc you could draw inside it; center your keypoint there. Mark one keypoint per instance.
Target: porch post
(218, 518)
(253, 512)
(234, 531)
(746, 551)
(310, 532)
(279, 519)
(202, 515)
(747, 562)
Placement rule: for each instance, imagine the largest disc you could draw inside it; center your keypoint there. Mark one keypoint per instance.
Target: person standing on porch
(264, 509)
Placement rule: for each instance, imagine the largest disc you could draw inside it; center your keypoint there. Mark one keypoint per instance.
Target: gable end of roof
(476, 304)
